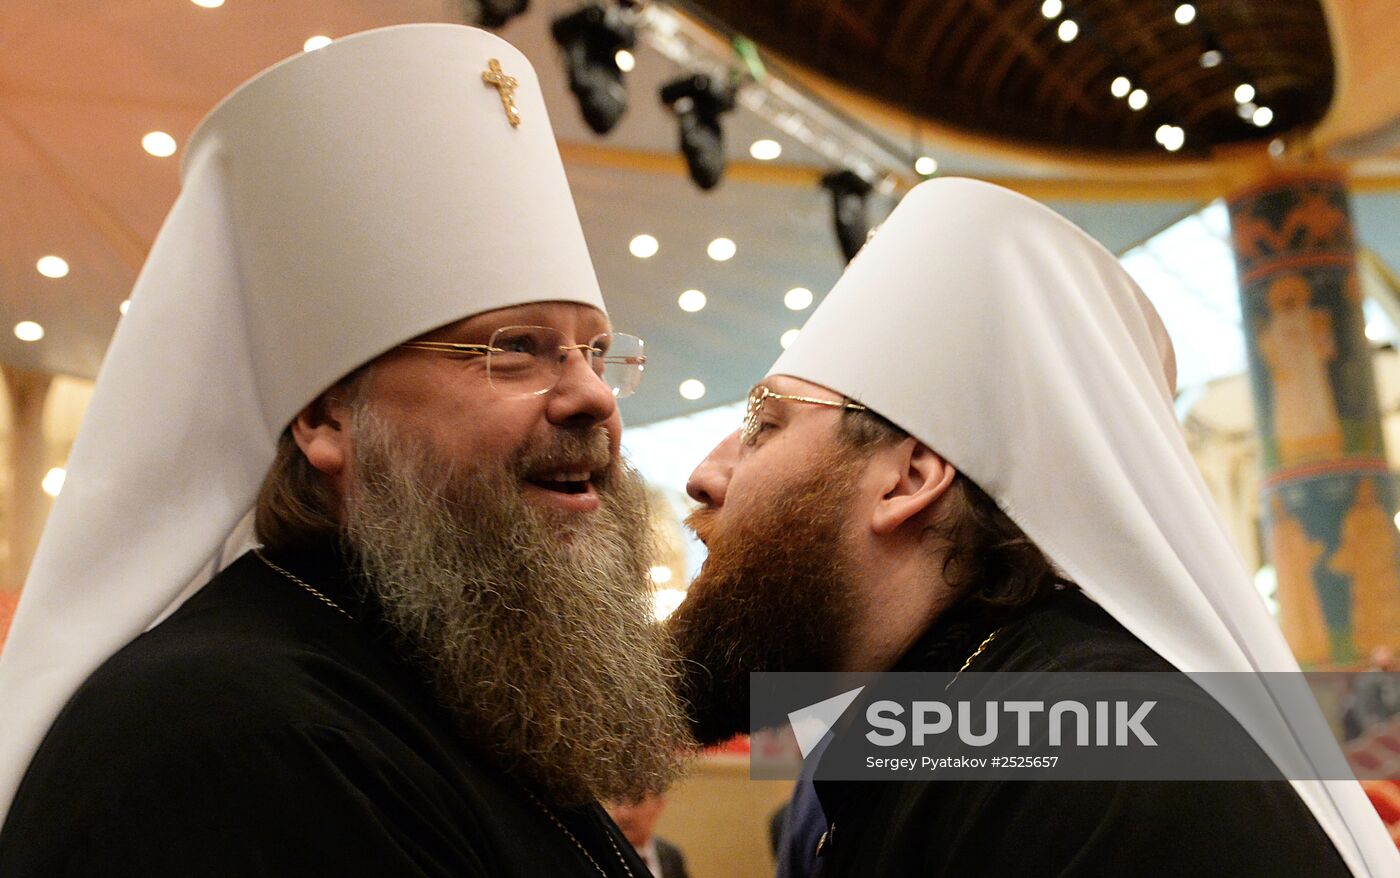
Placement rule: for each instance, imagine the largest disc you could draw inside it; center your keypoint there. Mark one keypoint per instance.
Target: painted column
(1328, 499)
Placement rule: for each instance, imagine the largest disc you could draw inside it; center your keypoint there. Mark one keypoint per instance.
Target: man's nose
(581, 397)
(710, 480)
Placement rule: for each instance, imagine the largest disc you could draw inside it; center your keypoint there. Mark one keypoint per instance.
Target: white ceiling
(81, 81)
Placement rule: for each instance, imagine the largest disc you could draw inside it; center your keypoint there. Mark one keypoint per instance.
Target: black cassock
(958, 828)
(258, 731)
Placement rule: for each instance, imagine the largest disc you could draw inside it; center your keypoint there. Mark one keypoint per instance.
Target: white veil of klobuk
(339, 203)
(1013, 344)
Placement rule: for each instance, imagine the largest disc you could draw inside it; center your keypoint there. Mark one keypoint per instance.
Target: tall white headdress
(1013, 344)
(337, 204)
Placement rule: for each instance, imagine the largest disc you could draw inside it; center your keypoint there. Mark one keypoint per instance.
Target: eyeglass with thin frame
(529, 360)
(748, 435)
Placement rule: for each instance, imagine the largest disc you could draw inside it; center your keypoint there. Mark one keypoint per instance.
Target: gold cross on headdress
(506, 85)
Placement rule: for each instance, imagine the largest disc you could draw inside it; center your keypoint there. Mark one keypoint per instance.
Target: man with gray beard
(438, 653)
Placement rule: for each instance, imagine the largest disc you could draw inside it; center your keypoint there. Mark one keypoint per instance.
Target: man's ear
(322, 432)
(915, 479)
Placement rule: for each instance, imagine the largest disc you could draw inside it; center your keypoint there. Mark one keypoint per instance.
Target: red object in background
(8, 600)
(1385, 797)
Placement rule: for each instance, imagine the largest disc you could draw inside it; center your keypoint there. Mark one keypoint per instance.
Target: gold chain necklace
(304, 585)
(541, 805)
(578, 844)
(975, 653)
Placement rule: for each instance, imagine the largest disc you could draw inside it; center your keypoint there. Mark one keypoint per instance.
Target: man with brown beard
(968, 461)
(441, 654)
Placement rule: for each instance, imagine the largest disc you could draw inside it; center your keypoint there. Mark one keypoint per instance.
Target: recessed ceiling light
(1211, 58)
(765, 150)
(1244, 93)
(644, 246)
(158, 144)
(52, 266)
(721, 249)
(320, 41)
(1185, 14)
(789, 337)
(126, 303)
(926, 166)
(798, 299)
(28, 330)
(692, 389)
(691, 300)
(1052, 8)
(1246, 111)
(1137, 99)
(1120, 86)
(1173, 138)
(53, 481)
(626, 61)
(1262, 117)
(1277, 147)
(1067, 30)
(208, 4)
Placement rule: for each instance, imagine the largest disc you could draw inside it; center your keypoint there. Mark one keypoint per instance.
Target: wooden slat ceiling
(999, 67)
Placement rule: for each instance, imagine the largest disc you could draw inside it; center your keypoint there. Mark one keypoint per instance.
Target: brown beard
(535, 630)
(775, 594)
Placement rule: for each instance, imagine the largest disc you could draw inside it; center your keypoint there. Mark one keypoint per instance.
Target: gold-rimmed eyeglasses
(529, 360)
(761, 394)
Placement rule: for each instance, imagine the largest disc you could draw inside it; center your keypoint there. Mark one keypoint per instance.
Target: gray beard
(535, 630)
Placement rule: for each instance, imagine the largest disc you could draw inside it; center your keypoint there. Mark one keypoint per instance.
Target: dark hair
(297, 503)
(988, 558)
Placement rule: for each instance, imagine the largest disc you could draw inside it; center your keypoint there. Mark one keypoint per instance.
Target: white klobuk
(339, 203)
(1013, 344)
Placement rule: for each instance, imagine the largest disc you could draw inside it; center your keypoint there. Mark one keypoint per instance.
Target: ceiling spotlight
(1120, 86)
(1052, 8)
(765, 150)
(124, 306)
(798, 299)
(1277, 147)
(158, 144)
(789, 337)
(53, 481)
(925, 166)
(721, 249)
(643, 246)
(1185, 14)
(591, 39)
(698, 101)
(1171, 137)
(1067, 30)
(848, 193)
(494, 13)
(52, 266)
(208, 4)
(1137, 99)
(1262, 117)
(1211, 58)
(626, 61)
(28, 330)
(691, 300)
(1244, 93)
(692, 389)
(1246, 111)
(320, 41)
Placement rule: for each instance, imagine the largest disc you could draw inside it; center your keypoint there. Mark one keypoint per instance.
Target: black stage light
(848, 193)
(698, 101)
(591, 38)
(491, 13)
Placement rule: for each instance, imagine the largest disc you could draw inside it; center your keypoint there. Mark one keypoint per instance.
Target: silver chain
(305, 586)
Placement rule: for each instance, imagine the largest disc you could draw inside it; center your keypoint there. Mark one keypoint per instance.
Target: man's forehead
(790, 385)
(581, 319)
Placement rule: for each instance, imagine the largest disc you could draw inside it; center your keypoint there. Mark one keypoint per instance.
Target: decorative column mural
(1328, 498)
